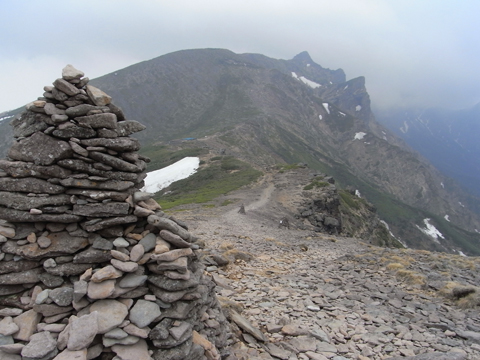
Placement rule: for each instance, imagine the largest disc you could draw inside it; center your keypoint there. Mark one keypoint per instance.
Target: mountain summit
(267, 111)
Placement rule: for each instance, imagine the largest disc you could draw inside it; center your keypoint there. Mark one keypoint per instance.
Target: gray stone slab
(40, 149)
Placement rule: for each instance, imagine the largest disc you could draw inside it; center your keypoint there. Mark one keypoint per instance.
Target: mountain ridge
(260, 109)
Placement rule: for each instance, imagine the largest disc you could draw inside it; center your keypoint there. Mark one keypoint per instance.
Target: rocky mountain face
(447, 138)
(267, 111)
(311, 201)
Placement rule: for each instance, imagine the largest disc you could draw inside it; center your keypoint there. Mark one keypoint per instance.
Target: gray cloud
(411, 52)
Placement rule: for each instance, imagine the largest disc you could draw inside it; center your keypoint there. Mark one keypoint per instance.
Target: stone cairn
(90, 267)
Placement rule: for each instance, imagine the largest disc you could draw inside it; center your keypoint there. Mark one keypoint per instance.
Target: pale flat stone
(80, 289)
(54, 328)
(172, 255)
(98, 97)
(82, 331)
(12, 348)
(41, 345)
(116, 333)
(120, 242)
(106, 273)
(179, 265)
(69, 72)
(8, 232)
(119, 255)
(144, 312)
(304, 343)
(173, 239)
(315, 356)
(137, 252)
(294, 330)
(111, 313)
(72, 355)
(101, 290)
(8, 327)
(27, 323)
(247, 326)
(66, 87)
(125, 266)
(10, 312)
(181, 330)
(148, 242)
(138, 351)
(142, 212)
(160, 249)
(62, 296)
(131, 329)
(129, 340)
(132, 280)
(94, 351)
(7, 356)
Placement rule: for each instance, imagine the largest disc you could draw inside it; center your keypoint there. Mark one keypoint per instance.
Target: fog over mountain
(446, 137)
(411, 52)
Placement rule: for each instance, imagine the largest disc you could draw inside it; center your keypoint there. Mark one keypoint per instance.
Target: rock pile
(90, 267)
(322, 208)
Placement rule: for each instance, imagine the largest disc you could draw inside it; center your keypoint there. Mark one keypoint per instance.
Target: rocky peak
(304, 56)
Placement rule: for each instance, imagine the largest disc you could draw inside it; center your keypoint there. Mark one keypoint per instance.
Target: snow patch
(325, 105)
(358, 107)
(320, 117)
(391, 234)
(359, 136)
(6, 117)
(303, 79)
(446, 217)
(342, 113)
(461, 253)
(345, 88)
(159, 179)
(310, 83)
(461, 204)
(431, 230)
(404, 128)
(308, 65)
(443, 186)
(357, 193)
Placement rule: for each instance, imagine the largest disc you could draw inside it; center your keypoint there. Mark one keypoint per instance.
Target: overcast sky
(410, 51)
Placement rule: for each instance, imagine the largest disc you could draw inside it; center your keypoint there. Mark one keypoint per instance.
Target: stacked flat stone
(90, 267)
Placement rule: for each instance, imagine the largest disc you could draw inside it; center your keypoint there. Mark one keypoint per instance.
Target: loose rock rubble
(90, 267)
(316, 296)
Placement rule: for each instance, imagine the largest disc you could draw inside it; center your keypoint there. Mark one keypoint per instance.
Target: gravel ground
(317, 296)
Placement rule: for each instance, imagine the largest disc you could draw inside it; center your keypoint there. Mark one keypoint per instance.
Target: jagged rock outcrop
(328, 209)
(322, 207)
(90, 267)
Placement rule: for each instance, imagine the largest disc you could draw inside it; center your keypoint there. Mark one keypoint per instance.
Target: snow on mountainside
(159, 179)
(6, 117)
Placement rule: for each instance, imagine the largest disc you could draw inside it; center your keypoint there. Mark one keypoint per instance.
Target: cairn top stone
(70, 73)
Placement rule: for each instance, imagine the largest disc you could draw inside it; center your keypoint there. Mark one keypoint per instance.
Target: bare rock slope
(321, 296)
